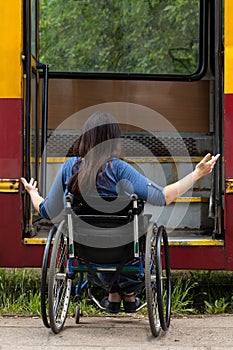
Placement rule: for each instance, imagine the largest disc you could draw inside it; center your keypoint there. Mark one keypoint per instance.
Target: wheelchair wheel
(59, 287)
(150, 281)
(163, 278)
(44, 282)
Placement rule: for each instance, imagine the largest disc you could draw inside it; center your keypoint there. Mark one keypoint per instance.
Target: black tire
(59, 287)
(150, 281)
(44, 282)
(163, 278)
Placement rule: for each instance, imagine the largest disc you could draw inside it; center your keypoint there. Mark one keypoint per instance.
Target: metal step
(187, 213)
(193, 238)
(175, 238)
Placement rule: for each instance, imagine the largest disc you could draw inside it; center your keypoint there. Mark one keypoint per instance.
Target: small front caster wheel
(77, 314)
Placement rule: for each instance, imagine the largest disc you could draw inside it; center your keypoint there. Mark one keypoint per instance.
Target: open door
(35, 117)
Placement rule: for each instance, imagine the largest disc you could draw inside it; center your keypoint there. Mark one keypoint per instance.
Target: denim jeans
(125, 283)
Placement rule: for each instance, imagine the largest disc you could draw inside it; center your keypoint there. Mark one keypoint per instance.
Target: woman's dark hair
(99, 142)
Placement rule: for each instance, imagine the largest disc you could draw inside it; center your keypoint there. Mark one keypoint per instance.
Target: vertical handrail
(44, 127)
(27, 144)
(215, 207)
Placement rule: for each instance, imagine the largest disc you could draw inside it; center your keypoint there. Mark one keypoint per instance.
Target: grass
(20, 291)
(193, 292)
(202, 292)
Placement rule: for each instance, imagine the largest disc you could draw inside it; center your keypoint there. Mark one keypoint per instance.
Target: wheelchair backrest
(104, 228)
(106, 206)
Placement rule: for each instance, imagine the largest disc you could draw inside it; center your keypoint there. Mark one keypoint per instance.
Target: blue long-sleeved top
(120, 178)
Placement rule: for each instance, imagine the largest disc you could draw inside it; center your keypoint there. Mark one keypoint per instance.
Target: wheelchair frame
(153, 265)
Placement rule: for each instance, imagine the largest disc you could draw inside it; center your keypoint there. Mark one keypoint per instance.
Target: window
(121, 36)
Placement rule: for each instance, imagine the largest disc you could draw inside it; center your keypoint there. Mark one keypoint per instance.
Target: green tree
(135, 36)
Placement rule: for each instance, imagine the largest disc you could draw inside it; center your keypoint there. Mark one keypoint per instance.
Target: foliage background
(139, 36)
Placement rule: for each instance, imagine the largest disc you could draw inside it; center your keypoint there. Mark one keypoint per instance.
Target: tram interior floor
(174, 235)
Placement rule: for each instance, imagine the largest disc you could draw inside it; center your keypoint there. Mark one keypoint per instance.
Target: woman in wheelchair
(96, 168)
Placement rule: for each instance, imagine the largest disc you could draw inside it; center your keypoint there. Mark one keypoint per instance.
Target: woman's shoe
(113, 307)
(132, 306)
(110, 306)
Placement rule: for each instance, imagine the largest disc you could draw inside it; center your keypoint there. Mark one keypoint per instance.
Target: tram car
(173, 107)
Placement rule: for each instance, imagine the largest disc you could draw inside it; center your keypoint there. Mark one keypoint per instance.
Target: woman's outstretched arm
(171, 192)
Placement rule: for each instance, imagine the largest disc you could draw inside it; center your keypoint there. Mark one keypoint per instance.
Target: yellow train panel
(11, 13)
(228, 37)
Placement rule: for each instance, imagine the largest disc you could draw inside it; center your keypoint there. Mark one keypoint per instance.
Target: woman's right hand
(29, 186)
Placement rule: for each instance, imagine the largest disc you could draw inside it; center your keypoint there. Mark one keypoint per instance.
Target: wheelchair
(102, 235)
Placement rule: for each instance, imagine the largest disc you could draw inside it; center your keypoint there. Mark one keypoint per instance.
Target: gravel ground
(117, 333)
